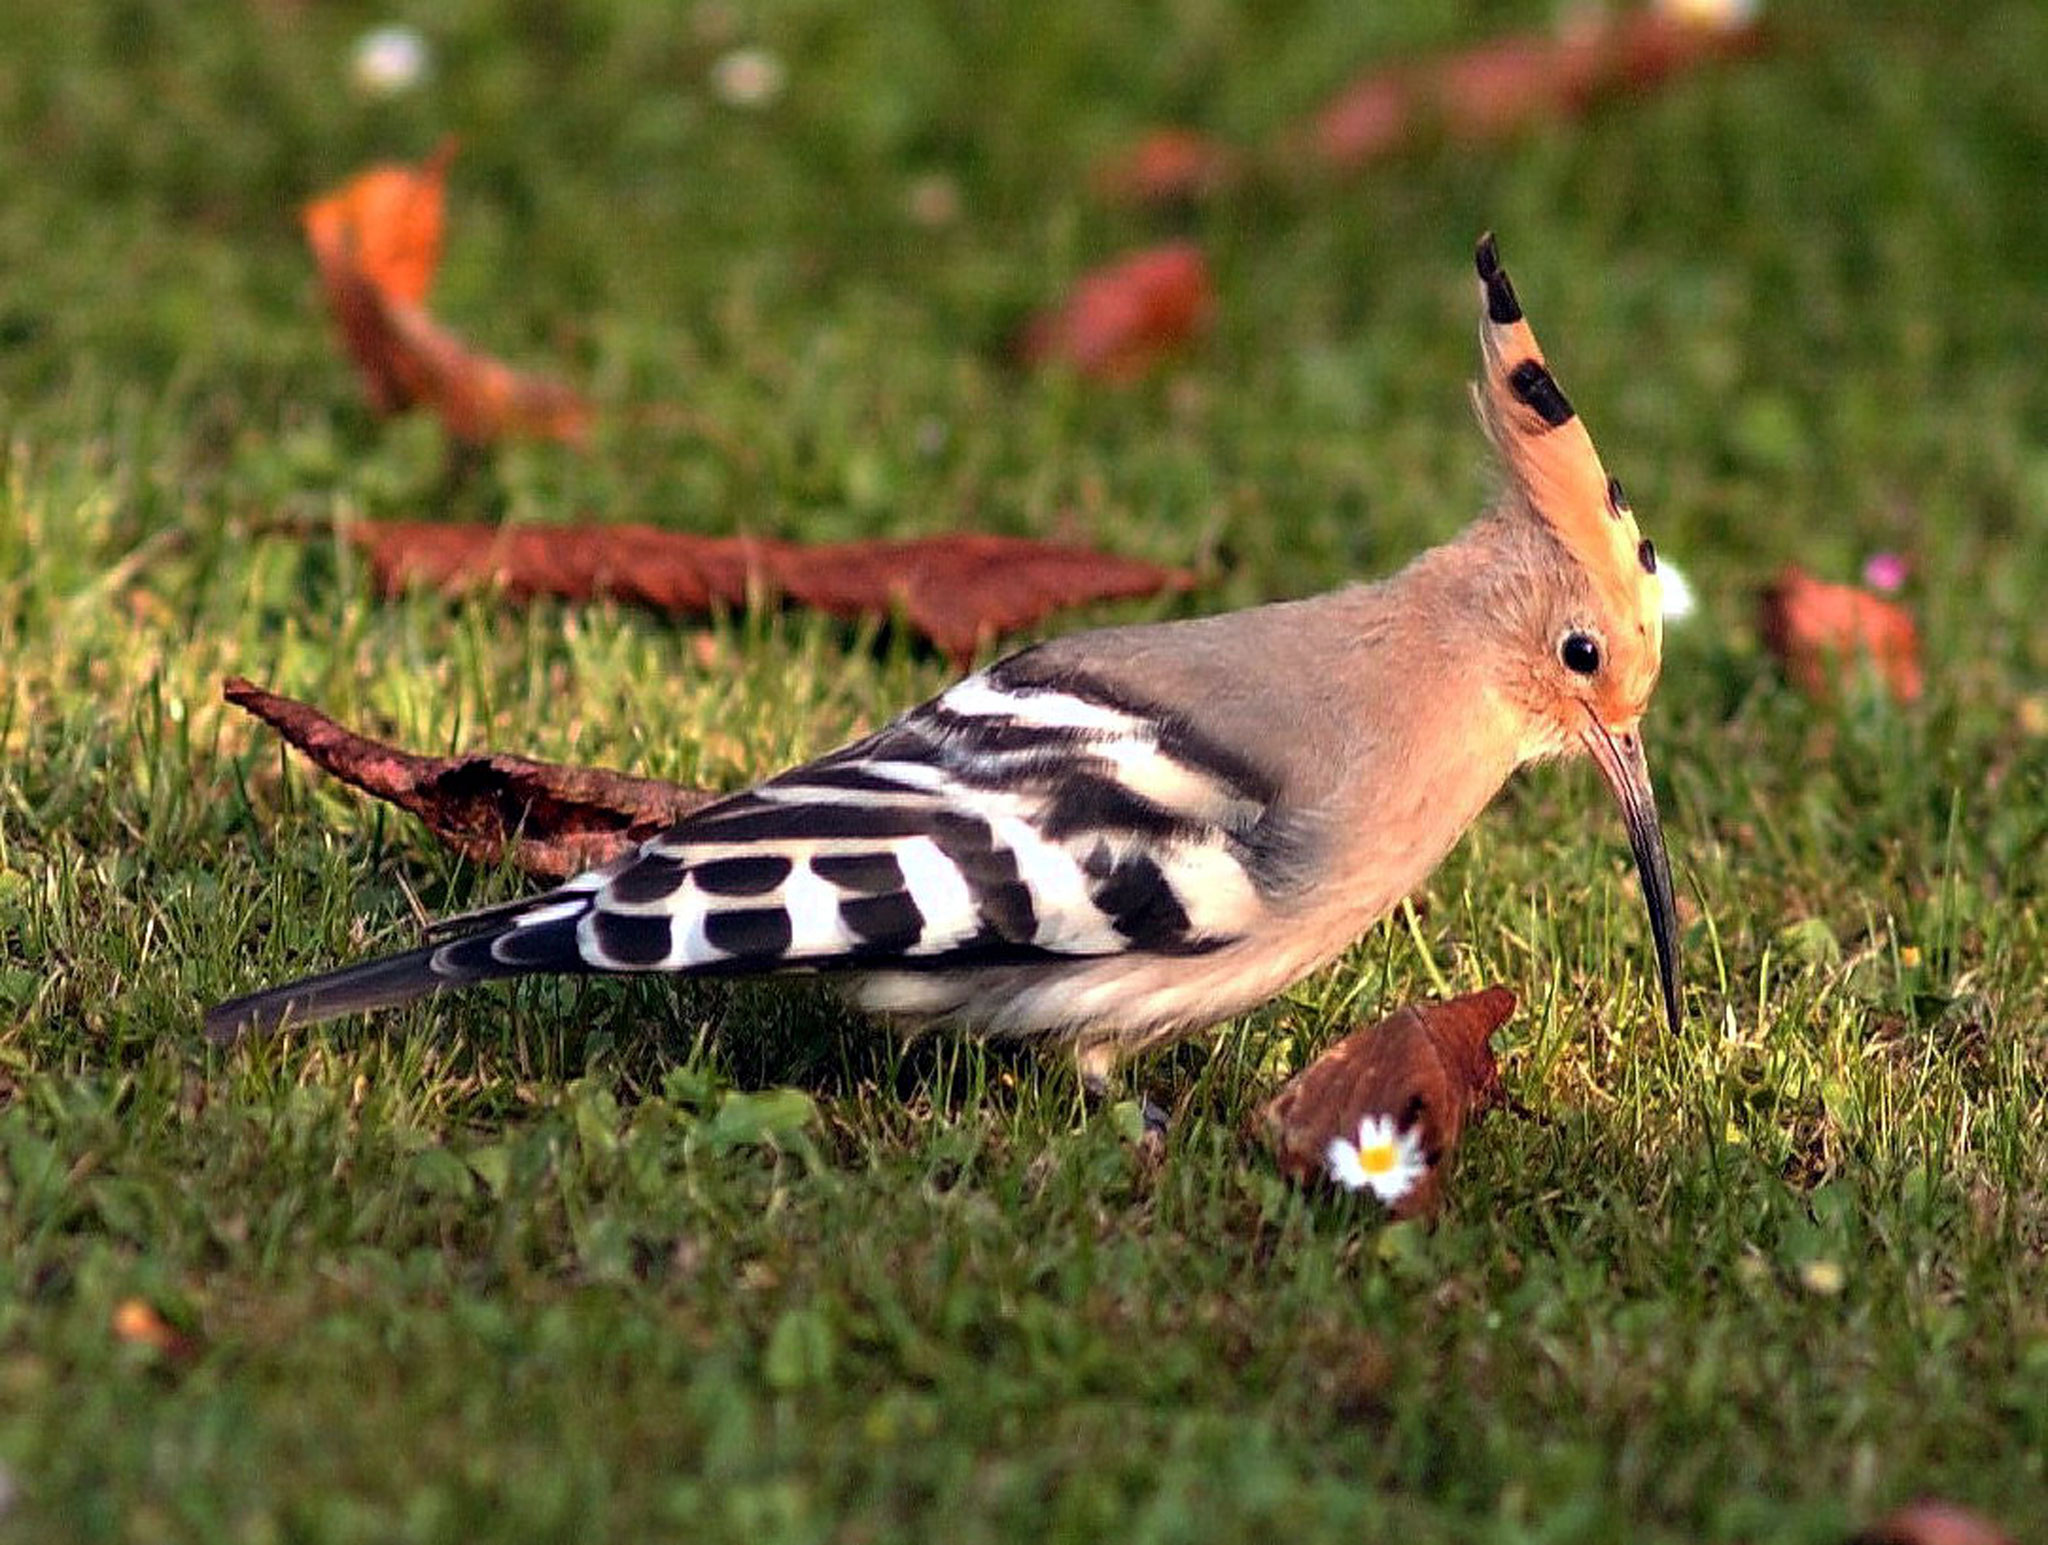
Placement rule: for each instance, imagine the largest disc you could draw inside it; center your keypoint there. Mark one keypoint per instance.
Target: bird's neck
(1464, 615)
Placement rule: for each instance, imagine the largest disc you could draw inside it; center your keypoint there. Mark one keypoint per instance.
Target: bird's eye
(1580, 653)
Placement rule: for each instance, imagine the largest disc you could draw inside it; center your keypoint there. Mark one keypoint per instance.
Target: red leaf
(550, 820)
(1825, 634)
(1508, 84)
(1372, 117)
(377, 240)
(1167, 166)
(1933, 1523)
(1511, 83)
(1122, 319)
(1428, 1064)
(960, 591)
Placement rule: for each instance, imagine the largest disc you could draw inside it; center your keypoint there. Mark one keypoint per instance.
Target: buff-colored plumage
(1120, 837)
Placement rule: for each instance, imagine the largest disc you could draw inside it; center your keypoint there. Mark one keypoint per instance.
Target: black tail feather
(500, 949)
(374, 984)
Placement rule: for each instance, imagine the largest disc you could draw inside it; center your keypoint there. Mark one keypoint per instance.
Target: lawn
(633, 1260)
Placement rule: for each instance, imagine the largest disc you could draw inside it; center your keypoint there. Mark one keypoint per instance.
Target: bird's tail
(538, 934)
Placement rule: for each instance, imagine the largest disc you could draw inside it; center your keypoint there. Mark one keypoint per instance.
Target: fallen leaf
(478, 398)
(1933, 1523)
(136, 1322)
(385, 225)
(1428, 1066)
(548, 819)
(1511, 83)
(1120, 320)
(1648, 46)
(1486, 91)
(1508, 84)
(377, 240)
(1167, 166)
(1372, 117)
(960, 591)
(1823, 634)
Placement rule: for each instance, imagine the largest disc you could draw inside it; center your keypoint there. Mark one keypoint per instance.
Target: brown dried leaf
(377, 240)
(1933, 1523)
(1512, 83)
(960, 591)
(480, 399)
(1123, 318)
(1824, 634)
(1167, 166)
(1428, 1064)
(1508, 84)
(1649, 45)
(1372, 117)
(550, 820)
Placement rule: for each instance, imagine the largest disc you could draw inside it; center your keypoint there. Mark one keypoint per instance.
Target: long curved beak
(1622, 762)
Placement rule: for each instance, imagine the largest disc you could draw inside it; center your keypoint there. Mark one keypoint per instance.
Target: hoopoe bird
(1124, 836)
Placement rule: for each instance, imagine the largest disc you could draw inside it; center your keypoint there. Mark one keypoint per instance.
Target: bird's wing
(1024, 815)
(1011, 818)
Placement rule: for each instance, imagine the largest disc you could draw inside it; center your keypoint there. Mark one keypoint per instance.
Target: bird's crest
(1553, 464)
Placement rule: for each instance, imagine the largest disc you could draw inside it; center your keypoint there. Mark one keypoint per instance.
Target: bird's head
(1587, 627)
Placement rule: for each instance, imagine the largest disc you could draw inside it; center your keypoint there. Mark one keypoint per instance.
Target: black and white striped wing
(1007, 820)
(1024, 816)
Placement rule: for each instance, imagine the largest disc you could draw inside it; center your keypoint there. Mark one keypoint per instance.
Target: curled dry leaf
(1933, 1523)
(1488, 91)
(548, 819)
(384, 225)
(960, 591)
(1824, 634)
(1122, 319)
(478, 398)
(377, 240)
(1426, 1067)
(1509, 84)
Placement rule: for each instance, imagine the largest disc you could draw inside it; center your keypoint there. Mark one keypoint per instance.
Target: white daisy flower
(1717, 14)
(389, 60)
(1678, 599)
(1384, 1160)
(748, 77)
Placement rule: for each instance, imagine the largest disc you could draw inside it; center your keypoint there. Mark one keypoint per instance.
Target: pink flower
(1886, 572)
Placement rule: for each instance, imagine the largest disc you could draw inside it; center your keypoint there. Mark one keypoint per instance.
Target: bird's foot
(1102, 1085)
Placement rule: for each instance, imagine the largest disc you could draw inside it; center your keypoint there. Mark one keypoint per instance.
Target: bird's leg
(1096, 1061)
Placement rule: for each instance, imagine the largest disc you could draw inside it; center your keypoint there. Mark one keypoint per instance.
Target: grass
(630, 1261)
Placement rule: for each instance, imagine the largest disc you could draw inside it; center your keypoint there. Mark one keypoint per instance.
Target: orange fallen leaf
(385, 225)
(1823, 634)
(1122, 319)
(1427, 1068)
(136, 1322)
(1933, 1523)
(960, 590)
(377, 240)
(549, 819)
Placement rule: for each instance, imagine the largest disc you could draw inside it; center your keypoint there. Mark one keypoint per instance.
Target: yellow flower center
(1378, 1159)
